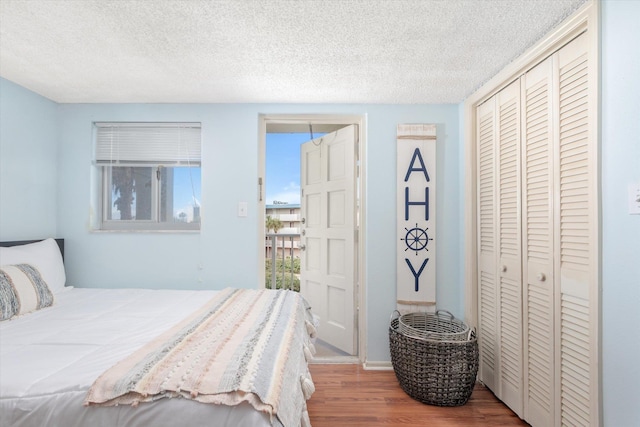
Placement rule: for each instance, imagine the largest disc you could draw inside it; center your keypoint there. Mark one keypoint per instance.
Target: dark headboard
(60, 243)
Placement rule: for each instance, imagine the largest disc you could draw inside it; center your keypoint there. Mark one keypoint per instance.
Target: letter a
(423, 168)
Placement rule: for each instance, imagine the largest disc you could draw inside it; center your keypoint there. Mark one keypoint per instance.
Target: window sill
(103, 231)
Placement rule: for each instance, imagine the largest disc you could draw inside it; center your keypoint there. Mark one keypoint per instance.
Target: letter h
(407, 203)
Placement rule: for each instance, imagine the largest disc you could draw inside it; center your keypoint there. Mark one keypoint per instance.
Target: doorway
(336, 306)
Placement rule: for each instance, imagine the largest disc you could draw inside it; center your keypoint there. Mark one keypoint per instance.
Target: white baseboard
(377, 366)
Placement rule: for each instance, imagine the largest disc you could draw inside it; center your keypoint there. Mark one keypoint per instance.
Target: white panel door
(538, 248)
(509, 271)
(576, 241)
(327, 262)
(500, 255)
(487, 282)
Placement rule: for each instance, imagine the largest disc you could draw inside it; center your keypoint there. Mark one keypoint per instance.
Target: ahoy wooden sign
(416, 222)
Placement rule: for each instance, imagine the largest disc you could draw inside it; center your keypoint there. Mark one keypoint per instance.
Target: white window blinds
(130, 144)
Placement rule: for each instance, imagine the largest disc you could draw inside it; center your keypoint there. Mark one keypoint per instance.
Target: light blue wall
(620, 23)
(48, 185)
(227, 247)
(28, 163)
(381, 214)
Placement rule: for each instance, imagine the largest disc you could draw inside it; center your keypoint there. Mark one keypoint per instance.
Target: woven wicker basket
(434, 370)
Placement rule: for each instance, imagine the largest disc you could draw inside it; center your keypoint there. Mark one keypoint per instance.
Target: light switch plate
(242, 209)
(634, 198)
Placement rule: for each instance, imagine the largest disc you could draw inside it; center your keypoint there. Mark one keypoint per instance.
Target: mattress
(50, 358)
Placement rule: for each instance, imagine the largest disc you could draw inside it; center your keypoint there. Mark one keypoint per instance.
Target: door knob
(541, 277)
(303, 247)
(504, 268)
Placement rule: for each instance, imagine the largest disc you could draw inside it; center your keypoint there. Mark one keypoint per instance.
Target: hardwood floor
(347, 395)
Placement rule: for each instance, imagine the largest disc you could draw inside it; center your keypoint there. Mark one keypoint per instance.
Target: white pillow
(44, 255)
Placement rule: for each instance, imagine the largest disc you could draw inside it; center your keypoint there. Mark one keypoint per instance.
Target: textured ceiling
(256, 51)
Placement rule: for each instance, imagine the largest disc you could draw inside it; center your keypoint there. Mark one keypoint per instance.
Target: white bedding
(45, 372)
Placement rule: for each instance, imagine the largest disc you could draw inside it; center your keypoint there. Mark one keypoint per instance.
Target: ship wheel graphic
(416, 239)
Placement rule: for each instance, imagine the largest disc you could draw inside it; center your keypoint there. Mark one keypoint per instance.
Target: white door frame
(318, 120)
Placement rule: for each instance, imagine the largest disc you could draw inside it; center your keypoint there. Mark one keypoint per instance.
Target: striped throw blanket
(242, 346)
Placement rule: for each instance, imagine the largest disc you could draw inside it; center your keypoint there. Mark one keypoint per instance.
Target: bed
(53, 358)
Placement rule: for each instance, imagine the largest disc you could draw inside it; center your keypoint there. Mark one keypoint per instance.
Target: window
(150, 175)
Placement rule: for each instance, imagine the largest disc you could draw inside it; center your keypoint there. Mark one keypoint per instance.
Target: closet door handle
(541, 277)
(504, 269)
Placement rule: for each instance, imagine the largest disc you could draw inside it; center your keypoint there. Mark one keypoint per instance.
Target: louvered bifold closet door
(509, 271)
(576, 333)
(537, 234)
(538, 240)
(487, 284)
